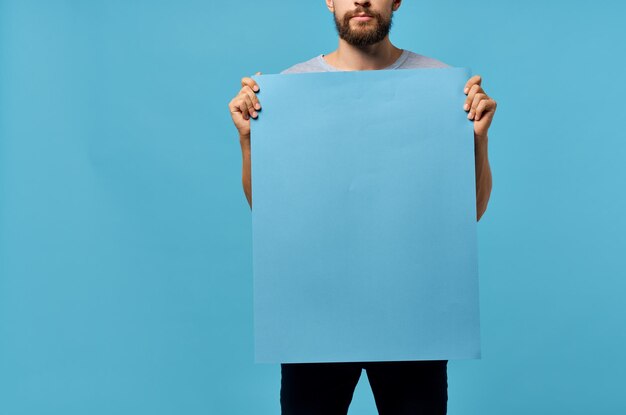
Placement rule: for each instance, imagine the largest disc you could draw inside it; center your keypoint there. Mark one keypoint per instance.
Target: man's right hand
(245, 105)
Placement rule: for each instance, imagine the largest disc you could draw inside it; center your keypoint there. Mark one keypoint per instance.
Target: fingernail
(466, 107)
(256, 88)
(253, 113)
(470, 115)
(257, 106)
(466, 90)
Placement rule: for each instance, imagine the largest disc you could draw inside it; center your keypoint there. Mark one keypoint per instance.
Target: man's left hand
(480, 106)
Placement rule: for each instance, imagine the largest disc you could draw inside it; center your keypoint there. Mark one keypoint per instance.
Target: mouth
(362, 17)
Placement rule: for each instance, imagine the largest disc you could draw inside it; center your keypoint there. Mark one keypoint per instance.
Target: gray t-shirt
(408, 60)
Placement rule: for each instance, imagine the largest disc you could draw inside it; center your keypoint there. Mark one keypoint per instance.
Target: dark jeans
(399, 388)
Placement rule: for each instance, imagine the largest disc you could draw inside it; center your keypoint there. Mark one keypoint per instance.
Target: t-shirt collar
(395, 65)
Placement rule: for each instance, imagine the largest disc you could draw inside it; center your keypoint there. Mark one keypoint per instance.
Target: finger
(246, 81)
(233, 105)
(484, 107)
(253, 97)
(248, 105)
(474, 80)
(239, 104)
(477, 98)
(250, 82)
(475, 89)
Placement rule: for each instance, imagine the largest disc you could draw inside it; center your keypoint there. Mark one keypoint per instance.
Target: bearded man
(399, 387)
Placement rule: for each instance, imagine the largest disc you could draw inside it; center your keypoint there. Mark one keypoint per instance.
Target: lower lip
(362, 18)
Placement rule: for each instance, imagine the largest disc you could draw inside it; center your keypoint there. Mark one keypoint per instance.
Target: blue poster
(364, 217)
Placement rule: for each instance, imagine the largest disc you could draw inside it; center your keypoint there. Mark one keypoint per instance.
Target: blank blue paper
(364, 217)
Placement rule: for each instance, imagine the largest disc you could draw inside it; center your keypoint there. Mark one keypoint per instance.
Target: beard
(364, 33)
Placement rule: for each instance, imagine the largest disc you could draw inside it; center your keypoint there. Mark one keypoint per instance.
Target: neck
(348, 57)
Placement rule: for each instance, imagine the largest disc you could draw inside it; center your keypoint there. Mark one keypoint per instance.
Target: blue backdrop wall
(125, 236)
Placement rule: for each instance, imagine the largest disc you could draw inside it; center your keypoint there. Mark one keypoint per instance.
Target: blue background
(125, 246)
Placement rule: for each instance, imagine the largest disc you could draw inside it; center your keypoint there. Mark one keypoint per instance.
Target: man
(404, 387)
